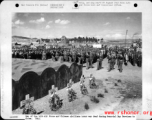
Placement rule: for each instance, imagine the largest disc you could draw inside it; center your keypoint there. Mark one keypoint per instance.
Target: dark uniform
(87, 61)
(110, 62)
(113, 60)
(100, 60)
(139, 59)
(120, 62)
(74, 57)
(91, 60)
(57, 56)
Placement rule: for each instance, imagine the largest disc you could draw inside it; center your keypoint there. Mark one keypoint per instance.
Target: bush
(86, 106)
(116, 84)
(94, 99)
(106, 91)
(100, 95)
(119, 80)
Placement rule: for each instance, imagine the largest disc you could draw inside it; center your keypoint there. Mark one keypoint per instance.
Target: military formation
(122, 56)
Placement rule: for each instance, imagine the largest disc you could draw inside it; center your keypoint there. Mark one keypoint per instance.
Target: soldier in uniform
(98, 64)
(48, 55)
(71, 93)
(91, 60)
(57, 56)
(64, 55)
(87, 61)
(26, 55)
(44, 55)
(83, 89)
(139, 59)
(100, 59)
(113, 60)
(79, 57)
(83, 57)
(15, 54)
(120, 63)
(133, 58)
(109, 62)
(74, 58)
(126, 58)
(20, 54)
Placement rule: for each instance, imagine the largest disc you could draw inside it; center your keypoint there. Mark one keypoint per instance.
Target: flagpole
(125, 37)
(132, 38)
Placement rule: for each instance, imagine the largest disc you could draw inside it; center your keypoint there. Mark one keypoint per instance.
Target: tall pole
(125, 37)
(30, 39)
(132, 38)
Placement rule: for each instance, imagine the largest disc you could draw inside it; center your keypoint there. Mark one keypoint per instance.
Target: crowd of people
(115, 55)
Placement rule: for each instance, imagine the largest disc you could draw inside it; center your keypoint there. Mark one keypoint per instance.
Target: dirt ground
(124, 92)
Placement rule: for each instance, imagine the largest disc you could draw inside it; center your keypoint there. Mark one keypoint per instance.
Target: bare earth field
(124, 92)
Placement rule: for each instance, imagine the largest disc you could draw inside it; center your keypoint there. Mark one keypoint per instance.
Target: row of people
(85, 55)
(119, 56)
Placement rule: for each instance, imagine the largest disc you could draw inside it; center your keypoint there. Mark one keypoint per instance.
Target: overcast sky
(100, 25)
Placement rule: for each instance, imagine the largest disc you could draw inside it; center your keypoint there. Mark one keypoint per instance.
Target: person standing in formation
(113, 60)
(101, 59)
(44, 55)
(126, 58)
(109, 62)
(91, 60)
(120, 61)
(87, 60)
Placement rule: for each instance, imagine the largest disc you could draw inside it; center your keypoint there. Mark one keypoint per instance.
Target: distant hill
(122, 40)
(21, 37)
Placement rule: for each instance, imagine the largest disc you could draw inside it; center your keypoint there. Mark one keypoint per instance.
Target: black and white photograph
(76, 63)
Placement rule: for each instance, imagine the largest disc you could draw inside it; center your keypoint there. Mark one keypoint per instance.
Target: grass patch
(86, 106)
(94, 99)
(100, 95)
(106, 91)
(116, 84)
(119, 80)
